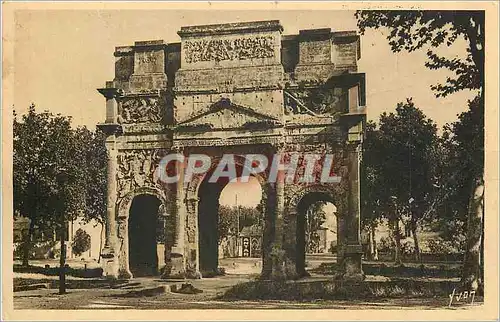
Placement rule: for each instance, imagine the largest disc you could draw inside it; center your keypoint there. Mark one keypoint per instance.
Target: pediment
(224, 114)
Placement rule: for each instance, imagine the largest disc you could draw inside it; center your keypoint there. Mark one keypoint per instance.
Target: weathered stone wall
(231, 88)
(289, 52)
(209, 57)
(264, 102)
(346, 51)
(234, 62)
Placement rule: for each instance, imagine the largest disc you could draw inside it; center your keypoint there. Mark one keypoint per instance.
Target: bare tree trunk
(481, 253)
(415, 240)
(308, 231)
(27, 244)
(373, 243)
(397, 241)
(472, 275)
(101, 242)
(370, 243)
(62, 262)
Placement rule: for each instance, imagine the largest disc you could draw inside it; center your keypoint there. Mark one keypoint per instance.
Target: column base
(193, 274)
(125, 275)
(109, 264)
(281, 268)
(175, 268)
(352, 264)
(291, 272)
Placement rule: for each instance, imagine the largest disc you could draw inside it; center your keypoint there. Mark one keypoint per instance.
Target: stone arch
(194, 185)
(296, 206)
(192, 190)
(122, 218)
(123, 206)
(335, 193)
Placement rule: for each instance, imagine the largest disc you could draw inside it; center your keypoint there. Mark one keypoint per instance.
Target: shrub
(19, 249)
(81, 242)
(440, 246)
(333, 247)
(38, 250)
(386, 245)
(407, 247)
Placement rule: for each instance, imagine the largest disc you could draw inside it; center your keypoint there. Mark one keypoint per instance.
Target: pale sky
(62, 57)
(249, 193)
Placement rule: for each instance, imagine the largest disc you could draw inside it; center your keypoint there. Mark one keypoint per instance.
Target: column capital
(110, 92)
(110, 128)
(191, 199)
(280, 147)
(353, 146)
(177, 148)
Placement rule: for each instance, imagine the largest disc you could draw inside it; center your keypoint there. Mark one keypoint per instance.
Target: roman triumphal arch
(239, 88)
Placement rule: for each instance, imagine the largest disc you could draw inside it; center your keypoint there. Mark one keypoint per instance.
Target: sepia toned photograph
(271, 158)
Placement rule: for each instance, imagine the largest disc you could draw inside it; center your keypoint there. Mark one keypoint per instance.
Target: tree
(412, 137)
(93, 144)
(461, 159)
(227, 222)
(415, 30)
(315, 218)
(68, 193)
(81, 242)
(31, 172)
(412, 30)
(228, 219)
(370, 183)
(50, 175)
(398, 171)
(464, 142)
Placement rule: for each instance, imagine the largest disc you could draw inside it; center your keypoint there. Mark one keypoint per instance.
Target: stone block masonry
(236, 88)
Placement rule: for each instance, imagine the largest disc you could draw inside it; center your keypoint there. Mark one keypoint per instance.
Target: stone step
(31, 287)
(146, 292)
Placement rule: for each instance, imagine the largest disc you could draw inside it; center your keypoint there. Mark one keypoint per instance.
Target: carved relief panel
(136, 168)
(240, 48)
(141, 109)
(320, 100)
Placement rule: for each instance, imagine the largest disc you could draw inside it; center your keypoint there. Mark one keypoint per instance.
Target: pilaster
(112, 130)
(177, 254)
(352, 250)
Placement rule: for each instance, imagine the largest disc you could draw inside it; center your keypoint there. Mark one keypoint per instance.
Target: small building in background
(251, 241)
(46, 241)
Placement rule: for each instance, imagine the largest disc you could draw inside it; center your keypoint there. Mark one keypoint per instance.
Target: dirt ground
(114, 299)
(237, 271)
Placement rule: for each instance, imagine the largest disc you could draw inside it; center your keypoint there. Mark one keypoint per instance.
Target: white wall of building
(94, 229)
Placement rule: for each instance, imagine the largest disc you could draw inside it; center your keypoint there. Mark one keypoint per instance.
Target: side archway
(296, 209)
(138, 215)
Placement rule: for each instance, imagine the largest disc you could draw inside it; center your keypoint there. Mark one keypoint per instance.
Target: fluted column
(278, 252)
(112, 130)
(111, 245)
(177, 254)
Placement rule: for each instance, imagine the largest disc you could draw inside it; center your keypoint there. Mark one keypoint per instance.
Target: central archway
(210, 242)
(142, 232)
